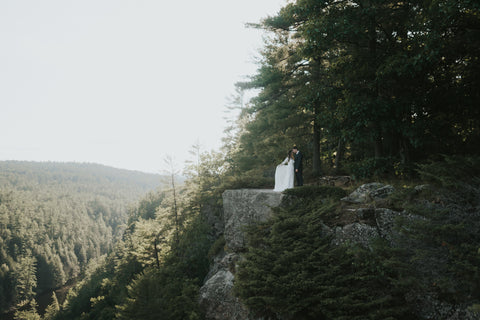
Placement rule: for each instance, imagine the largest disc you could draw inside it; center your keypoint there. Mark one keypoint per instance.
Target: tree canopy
(359, 80)
(56, 218)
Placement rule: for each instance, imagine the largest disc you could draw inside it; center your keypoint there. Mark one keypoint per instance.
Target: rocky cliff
(247, 206)
(363, 219)
(241, 208)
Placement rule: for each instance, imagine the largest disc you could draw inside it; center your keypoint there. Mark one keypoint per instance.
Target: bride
(284, 173)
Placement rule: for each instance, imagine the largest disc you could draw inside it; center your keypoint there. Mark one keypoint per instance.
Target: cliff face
(241, 208)
(367, 220)
(245, 207)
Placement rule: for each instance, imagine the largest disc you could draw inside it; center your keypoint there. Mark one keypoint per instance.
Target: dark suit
(299, 168)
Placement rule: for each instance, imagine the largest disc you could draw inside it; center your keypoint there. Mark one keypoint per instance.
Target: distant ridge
(71, 172)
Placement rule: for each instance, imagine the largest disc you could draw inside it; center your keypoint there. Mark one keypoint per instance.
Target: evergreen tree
(293, 270)
(374, 79)
(52, 309)
(57, 218)
(278, 120)
(28, 314)
(25, 278)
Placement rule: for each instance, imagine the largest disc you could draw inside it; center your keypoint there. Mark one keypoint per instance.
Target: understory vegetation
(293, 269)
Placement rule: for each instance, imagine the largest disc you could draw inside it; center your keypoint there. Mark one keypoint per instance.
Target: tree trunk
(404, 150)
(378, 146)
(339, 155)
(155, 244)
(175, 212)
(372, 59)
(316, 145)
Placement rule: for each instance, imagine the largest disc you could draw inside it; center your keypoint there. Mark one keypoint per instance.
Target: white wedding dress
(284, 175)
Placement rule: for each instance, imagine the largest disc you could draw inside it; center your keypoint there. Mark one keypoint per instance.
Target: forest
(377, 90)
(362, 86)
(55, 219)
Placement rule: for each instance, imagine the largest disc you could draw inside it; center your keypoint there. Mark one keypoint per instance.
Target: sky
(122, 83)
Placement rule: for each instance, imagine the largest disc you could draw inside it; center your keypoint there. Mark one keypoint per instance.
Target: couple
(284, 172)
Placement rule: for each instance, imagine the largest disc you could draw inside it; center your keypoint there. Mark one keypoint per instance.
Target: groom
(298, 166)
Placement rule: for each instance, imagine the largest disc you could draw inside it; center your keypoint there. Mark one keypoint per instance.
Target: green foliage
(248, 180)
(381, 168)
(383, 80)
(151, 274)
(55, 219)
(147, 207)
(443, 240)
(379, 84)
(217, 247)
(452, 171)
(170, 291)
(444, 246)
(124, 288)
(52, 309)
(371, 167)
(25, 278)
(158, 294)
(28, 313)
(292, 270)
(475, 308)
(317, 192)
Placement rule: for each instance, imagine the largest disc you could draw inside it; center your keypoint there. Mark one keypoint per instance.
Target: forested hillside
(377, 90)
(57, 217)
(158, 266)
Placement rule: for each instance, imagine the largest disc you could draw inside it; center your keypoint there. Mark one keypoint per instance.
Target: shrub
(293, 271)
(371, 167)
(452, 171)
(317, 192)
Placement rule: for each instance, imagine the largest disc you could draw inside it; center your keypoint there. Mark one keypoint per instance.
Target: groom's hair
(295, 147)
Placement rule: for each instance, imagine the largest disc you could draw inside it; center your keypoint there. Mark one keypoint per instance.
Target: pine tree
(25, 278)
(52, 308)
(29, 314)
(293, 270)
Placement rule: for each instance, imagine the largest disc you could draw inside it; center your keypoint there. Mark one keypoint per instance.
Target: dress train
(284, 175)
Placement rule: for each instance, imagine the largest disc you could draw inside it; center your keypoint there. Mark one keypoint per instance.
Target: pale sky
(121, 82)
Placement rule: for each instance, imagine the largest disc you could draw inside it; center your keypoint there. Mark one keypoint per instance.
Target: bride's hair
(290, 154)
